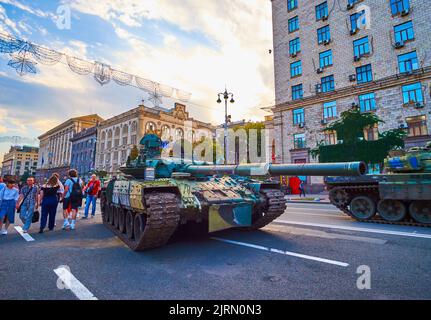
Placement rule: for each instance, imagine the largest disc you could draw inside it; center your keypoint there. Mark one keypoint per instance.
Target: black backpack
(76, 193)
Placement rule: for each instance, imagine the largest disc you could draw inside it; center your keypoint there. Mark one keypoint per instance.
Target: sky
(199, 46)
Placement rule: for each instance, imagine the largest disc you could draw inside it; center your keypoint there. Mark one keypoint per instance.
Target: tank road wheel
(129, 224)
(139, 225)
(339, 197)
(421, 211)
(117, 213)
(392, 210)
(363, 208)
(122, 221)
(276, 205)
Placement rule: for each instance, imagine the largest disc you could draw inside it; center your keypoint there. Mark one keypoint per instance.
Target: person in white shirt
(9, 196)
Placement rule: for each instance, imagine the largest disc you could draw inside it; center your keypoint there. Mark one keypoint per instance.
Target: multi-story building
(84, 152)
(331, 56)
(20, 160)
(55, 147)
(117, 136)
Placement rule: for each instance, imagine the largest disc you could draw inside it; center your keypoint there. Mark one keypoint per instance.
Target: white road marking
(370, 230)
(287, 253)
(26, 236)
(73, 284)
(320, 234)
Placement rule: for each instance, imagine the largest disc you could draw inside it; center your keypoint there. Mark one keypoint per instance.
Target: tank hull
(145, 214)
(396, 198)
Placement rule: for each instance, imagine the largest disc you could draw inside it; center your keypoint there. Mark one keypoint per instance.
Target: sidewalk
(310, 198)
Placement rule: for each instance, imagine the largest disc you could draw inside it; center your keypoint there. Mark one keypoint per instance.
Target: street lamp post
(226, 97)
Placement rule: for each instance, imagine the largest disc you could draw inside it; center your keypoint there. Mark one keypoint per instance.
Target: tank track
(161, 221)
(276, 207)
(356, 190)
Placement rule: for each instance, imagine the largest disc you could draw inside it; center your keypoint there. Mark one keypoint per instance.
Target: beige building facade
(20, 160)
(55, 146)
(371, 55)
(118, 135)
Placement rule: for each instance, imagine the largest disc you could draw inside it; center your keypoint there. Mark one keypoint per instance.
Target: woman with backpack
(72, 199)
(49, 201)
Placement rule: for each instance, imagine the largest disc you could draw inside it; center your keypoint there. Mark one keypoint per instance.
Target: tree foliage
(352, 144)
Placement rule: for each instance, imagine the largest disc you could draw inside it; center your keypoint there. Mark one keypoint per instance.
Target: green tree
(352, 144)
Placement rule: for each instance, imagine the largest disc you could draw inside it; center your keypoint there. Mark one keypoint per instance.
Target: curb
(304, 201)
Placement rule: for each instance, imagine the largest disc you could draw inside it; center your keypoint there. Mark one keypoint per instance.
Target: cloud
(23, 7)
(240, 29)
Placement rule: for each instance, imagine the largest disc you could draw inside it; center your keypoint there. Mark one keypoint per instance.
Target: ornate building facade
(84, 152)
(20, 160)
(118, 135)
(55, 148)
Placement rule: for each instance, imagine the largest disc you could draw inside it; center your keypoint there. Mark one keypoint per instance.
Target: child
(8, 200)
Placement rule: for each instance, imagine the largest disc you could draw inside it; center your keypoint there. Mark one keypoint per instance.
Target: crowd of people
(25, 200)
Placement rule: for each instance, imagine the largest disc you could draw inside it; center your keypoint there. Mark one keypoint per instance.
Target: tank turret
(150, 159)
(417, 159)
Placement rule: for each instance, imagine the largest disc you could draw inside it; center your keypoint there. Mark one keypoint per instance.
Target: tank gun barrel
(308, 169)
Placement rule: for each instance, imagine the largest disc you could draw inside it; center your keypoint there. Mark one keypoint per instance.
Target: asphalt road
(312, 252)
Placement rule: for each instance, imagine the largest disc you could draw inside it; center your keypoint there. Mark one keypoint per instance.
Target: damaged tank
(401, 195)
(155, 196)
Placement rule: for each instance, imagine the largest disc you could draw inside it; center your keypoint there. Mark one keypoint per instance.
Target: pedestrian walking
(28, 203)
(72, 199)
(91, 191)
(302, 189)
(9, 196)
(49, 202)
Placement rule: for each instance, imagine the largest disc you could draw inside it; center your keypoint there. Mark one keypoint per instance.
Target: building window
(325, 59)
(166, 131)
(371, 133)
(364, 74)
(330, 110)
(295, 69)
(398, 6)
(294, 46)
(404, 32)
(352, 2)
(298, 116)
(180, 133)
(408, 62)
(330, 137)
(150, 127)
(328, 84)
(367, 102)
(293, 24)
(361, 47)
(299, 141)
(323, 34)
(134, 140)
(322, 11)
(417, 126)
(297, 92)
(412, 93)
(125, 141)
(357, 20)
(292, 5)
